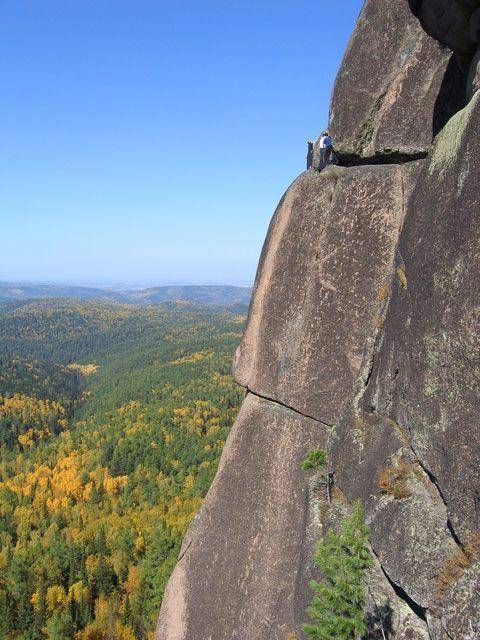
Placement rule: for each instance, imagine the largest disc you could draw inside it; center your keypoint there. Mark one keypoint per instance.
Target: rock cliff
(363, 339)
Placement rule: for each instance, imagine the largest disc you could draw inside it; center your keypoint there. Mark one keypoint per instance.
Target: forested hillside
(112, 420)
(220, 295)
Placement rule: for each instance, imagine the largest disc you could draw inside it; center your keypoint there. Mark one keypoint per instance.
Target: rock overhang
(395, 90)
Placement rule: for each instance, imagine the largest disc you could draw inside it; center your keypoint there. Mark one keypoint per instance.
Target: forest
(112, 421)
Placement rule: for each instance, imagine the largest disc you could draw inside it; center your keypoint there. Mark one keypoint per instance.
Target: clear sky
(150, 141)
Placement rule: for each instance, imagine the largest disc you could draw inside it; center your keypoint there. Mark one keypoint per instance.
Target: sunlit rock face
(428, 368)
(363, 339)
(318, 293)
(396, 86)
(247, 558)
(426, 377)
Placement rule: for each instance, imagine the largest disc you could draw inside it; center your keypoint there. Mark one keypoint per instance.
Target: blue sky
(150, 141)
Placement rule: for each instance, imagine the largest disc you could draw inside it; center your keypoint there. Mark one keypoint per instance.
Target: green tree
(60, 627)
(316, 459)
(337, 608)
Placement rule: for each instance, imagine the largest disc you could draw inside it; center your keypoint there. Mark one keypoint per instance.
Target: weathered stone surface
(380, 340)
(427, 376)
(319, 289)
(373, 463)
(473, 81)
(242, 573)
(384, 609)
(462, 605)
(396, 86)
(455, 23)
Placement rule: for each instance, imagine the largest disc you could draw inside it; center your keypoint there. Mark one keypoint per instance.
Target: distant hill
(207, 294)
(216, 294)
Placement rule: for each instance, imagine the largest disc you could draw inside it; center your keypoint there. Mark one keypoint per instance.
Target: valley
(112, 421)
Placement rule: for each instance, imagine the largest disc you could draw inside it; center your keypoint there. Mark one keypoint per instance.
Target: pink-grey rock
(462, 605)
(318, 294)
(373, 463)
(396, 86)
(247, 558)
(427, 374)
(365, 317)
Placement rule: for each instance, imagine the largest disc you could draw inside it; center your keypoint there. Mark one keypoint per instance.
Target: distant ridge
(207, 294)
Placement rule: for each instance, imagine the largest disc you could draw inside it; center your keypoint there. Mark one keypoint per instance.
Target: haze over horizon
(149, 142)
(119, 283)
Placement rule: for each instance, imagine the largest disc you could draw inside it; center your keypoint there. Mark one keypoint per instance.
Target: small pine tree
(316, 459)
(337, 608)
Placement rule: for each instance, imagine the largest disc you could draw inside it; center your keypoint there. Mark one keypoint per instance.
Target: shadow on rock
(452, 95)
(379, 624)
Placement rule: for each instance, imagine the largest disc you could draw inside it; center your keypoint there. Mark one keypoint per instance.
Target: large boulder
(247, 558)
(396, 86)
(320, 287)
(455, 23)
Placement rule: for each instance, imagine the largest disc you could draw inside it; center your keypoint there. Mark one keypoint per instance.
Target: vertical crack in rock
(417, 609)
(373, 343)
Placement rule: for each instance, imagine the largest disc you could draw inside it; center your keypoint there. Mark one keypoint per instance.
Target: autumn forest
(112, 421)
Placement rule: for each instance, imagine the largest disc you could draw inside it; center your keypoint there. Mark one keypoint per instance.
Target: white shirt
(325, 142)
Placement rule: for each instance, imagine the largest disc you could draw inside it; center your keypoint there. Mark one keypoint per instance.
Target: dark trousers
(325, 155)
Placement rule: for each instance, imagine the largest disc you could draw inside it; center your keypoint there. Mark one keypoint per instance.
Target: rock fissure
(286, 406)
(394, 157)
(416, 608)
(436, 484)
(184, 551)
(353, 160)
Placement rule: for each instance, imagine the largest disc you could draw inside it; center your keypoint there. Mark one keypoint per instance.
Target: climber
(310, 144)
(326, 149)
(327, 153)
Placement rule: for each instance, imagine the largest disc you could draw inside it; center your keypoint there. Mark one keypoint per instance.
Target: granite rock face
(247, 558)
(396, 86)
(431, 346)
(362, 338)
(315, 310)
(373, 463)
